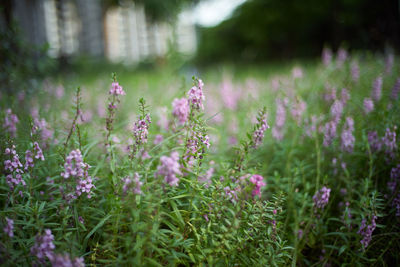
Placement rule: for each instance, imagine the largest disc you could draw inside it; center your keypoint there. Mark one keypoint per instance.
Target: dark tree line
(274, 29)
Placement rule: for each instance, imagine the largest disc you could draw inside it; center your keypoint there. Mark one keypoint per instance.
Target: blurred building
(83, 27)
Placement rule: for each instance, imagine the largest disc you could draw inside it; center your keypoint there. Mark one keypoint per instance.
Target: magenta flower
(258, 181)
(116, 89)
(180, 109)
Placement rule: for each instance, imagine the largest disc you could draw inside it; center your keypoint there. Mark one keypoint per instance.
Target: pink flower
(368, 105)
(258, 181)
(196, 96)
(180, 109)
(116, 89)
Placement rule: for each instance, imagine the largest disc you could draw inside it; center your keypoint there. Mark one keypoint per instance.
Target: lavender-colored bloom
(29, 160)
(355, 71)
(344, 96)
(389, 142)
(330, 93)
(258, 182)
(65, 260)
(337, 110)
(141, 130)
(297, 73)
(394, 188)
(158, 139)
(260, 128)
(368, 105)
(14, 167)
(230, 96)
(180, 109)
(341, 57)
(129, 182)
(298, 109)
(9, 228)
(44, 246)
(326, 56)
(206, 178)
(196, 96)
(38, 151)
(366, 231)
(329, 131)
(10, 123)
(116, 89)
(279, 120)
(321, 198)
(377, 89)
(374, 141)
(40, 126)
(347, 136)
(396, 90)
(169, 167)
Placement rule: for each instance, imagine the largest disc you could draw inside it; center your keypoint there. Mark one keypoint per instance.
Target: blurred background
(44, 36)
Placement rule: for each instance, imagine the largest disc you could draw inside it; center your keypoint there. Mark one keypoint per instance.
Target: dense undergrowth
(204, 175)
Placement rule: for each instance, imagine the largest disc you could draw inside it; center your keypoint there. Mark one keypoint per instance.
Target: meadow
(274, 165)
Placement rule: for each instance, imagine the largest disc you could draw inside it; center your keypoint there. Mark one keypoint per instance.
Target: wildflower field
(260, 166)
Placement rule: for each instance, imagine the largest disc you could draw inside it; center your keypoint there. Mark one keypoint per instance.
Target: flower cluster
(10, 123)
(9, 228)
(128, 182)
(196, 96)
(76, 168)
(206, 178)
(141, 130)
(377, 89)
(258, 182)
(279, 120)
(368, 105)
(40, 126)
(395, 90)
(298, 109)
(347, 136)
(65, 260)
(321, 198)
(394, 187)
(169, 167)
(341, 57)
(260, 128)
(355, 71)
(195, 145)
(14, 167)
(44, 246)
(180, 109)
(366, 231)
(116, 89)
(29, 161)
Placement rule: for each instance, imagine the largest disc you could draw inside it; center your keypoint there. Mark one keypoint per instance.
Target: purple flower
(366, 231)
(321, 198)
(229, 95)
(14, 168)
(206, 178)
(9, 228)
(355, 71)
(279, 120)
(116, 89)
(347, 136)
(65, 260)
(394, 188)
(43, 247)
(368, 105)
(169, 167)
(258, 181)
(128, 182)
(396, 90)
(389, 142)
(326, 56)
(260, 127)
(141, 130)
(196, 96)
(374, 141)
(10, 123)
(329, 131)
(158, 139)
(377, 88)
(298, 109)
(180, 109)
(297, 72)
(337, 110)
